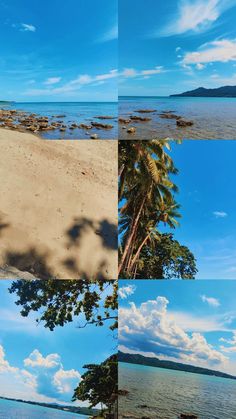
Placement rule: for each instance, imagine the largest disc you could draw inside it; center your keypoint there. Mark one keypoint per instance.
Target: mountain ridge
(224, 91)
(178, 366)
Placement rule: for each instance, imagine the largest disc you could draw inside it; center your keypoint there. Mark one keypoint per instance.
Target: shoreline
(58, 212)
(58, 125)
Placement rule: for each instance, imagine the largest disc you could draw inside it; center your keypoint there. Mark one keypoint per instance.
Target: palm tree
(144, 188)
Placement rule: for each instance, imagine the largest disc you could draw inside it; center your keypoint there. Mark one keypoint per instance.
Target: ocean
(213, 118)
(15, 410)
(168, 393)
(75, 112)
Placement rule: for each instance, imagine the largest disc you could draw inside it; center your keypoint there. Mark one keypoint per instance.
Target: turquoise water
(168, 393)
(75, 112)
(15, 410)
(213, 118)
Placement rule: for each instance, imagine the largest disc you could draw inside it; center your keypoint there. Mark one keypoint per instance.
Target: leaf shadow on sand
(36, 262)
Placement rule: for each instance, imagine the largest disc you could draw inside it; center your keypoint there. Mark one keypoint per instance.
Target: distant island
(74, 409)
(155, 362)
(225, 91)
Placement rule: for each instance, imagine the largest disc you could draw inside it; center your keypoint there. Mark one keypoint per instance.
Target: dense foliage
(147, 202)
(99, 383)
(62, 300)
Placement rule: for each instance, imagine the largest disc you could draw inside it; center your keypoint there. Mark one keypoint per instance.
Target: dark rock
(146, 110)
(140, 119)
(94, 137)
(188, 416)
(99, 125)
(104, 117)
(85, 126)
(183, 123)
(124, 121)
(169, 115)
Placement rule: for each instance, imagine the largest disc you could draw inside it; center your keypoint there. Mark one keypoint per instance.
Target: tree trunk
(130, 238)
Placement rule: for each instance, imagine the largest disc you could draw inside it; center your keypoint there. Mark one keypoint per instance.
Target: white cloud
(220, 214)
(36, 359)
(126, 291)
(52, 80)
(110, 35)
(210, 300)
(148, 328)
(74, 85)
(64, 380)
(196, 16)
(27, 28)
(223, 50)
(200, 66)
(131, 72)
(4, 364)
(231, 342)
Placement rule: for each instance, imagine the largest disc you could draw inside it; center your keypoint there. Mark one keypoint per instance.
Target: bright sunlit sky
(172, 46)
(193, 322)
(40, 365)
(58, 51)
(207, 196)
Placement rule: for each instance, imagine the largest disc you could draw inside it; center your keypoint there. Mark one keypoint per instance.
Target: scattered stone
(169, 115)
(188, 416)
(85, 126)
(104, 117)
(140, 119)
(146, 110)
(183, 123)
(123, 392)
(124, 121)
(62, 129)
(99, 125)
(94, 137)
(131, 130)
(58, 116)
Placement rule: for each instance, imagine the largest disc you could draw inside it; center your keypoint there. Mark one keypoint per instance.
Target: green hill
(155, 362)
(225, 91)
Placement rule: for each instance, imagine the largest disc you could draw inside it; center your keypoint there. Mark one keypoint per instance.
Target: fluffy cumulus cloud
(51, 378)
(148, 328)
(126, 291)
(43, 378)
(195, 16)
(214, 302)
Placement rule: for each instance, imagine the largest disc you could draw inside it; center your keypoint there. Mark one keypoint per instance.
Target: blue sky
(58, 51)
(37, 364)
(193, 322)
(177, 45)
(207, 196)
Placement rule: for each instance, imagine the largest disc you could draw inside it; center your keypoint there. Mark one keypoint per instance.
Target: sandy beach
(58, 211)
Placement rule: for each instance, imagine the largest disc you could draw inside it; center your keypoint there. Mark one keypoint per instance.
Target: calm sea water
(214, 118)
(15, 410)
(75, 112)
(168, 393)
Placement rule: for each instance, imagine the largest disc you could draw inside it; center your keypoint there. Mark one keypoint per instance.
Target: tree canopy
(147, 202)
(59, 301)
(99, 383)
